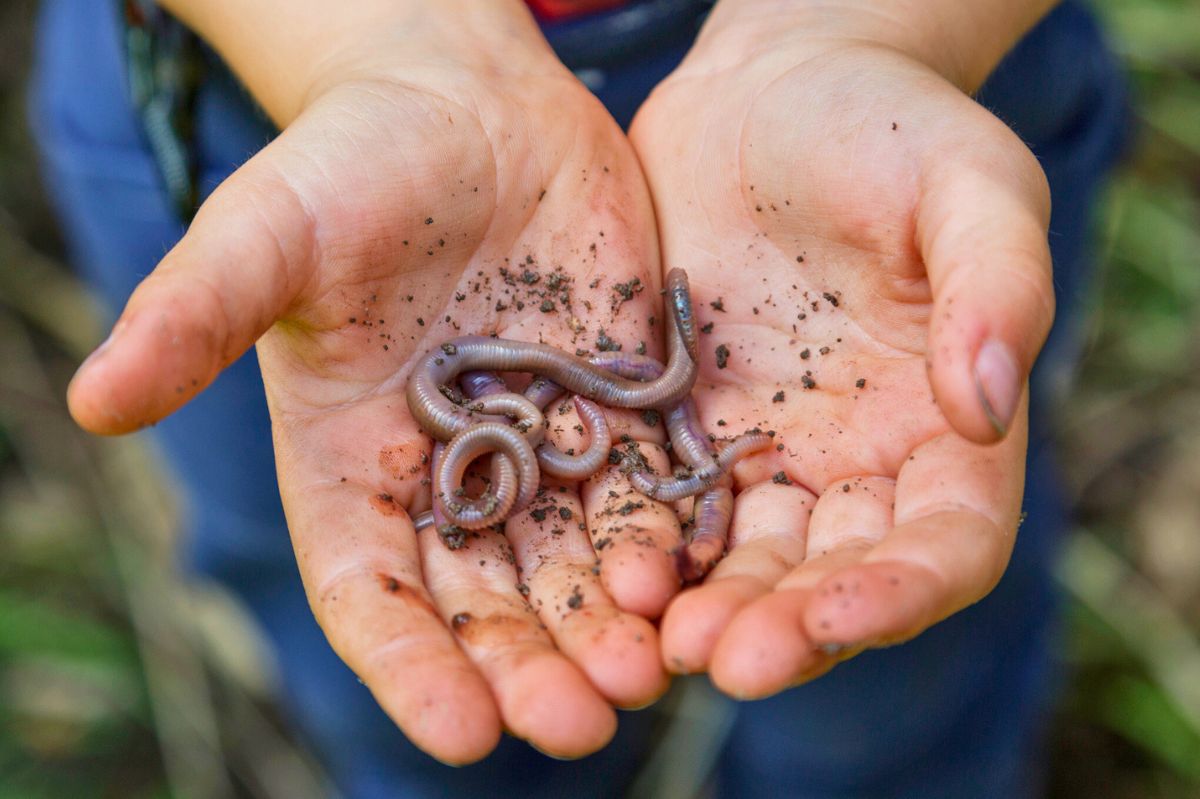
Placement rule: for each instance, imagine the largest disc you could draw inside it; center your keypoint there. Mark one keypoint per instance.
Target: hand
(415, 198)
(869, 248)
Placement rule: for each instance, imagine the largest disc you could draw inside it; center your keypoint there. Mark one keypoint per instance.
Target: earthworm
(710, 533)
(689, 442)
(529, 419)
(452, 536)
(671, 489)
(433, 515)
(514, 475)
(617, 379)
(441, 418)
(478, 384)
(679, 304)
(541, 392)
(713, 508)
(582, 466)
(531, 429)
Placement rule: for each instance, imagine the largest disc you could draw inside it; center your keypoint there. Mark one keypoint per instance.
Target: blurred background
(119, 679)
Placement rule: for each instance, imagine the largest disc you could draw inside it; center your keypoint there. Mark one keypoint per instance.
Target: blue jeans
(958, 712)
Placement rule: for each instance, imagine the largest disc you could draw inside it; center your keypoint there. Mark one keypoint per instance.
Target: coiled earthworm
(514, 476)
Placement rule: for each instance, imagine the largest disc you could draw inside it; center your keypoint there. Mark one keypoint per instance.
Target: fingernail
(998, 381)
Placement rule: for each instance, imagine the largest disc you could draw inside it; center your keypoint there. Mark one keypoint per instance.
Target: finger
(850, 517)
(543, 697)
(247, 254)
(767, 539)
(957, 508)
(981, 230)
(635, 537)
(358, 556)
(759, 654)
(853, 512)
(618, 651)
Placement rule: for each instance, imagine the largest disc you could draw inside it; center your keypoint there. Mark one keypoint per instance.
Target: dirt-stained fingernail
(998, 382)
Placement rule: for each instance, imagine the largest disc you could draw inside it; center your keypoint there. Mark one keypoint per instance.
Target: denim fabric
(956, 713)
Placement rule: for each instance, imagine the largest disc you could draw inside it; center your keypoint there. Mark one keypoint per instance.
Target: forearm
(285, 50)
(962, 40)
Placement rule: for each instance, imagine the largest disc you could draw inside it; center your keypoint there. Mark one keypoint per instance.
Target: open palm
(867, 253)
(387, 219)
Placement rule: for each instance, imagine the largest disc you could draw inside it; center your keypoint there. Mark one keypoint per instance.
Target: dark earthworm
(671, 489)
(482, 384)
(442, 419)
(679, 302)
(642, 368)
(514, 475)
(422, 520)
(710, 533)
(542, 391)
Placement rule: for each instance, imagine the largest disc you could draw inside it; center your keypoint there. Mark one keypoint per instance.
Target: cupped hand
(392, 215)
(867, 251)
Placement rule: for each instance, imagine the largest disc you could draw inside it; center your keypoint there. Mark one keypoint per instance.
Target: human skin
(869, 246)
(424, 147)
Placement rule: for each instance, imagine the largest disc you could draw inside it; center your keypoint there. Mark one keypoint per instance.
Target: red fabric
(564, 9)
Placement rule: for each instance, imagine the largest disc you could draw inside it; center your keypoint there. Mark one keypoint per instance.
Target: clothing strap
(165, 68)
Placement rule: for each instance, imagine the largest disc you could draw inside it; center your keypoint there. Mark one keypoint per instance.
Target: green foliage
(1130, 716)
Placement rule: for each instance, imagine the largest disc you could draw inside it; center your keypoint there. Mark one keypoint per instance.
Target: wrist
(963, 42)
(289, 52)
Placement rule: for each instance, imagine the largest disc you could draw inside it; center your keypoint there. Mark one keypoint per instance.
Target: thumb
(236, 271)
(981, 230)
